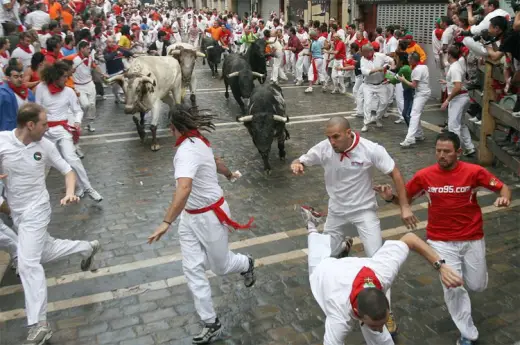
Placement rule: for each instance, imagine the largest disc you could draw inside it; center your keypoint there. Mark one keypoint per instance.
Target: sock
(311, 227)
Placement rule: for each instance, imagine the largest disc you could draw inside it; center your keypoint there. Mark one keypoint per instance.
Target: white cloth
(322, 77)
(484, 24)
(338, 79)
(375, 100)
(455, 74)
(468, 259)
(82, 73)
(8, 239)
(378, 61)
(357, 91)
(457, 107)
(302, 64)
(331, 284)
(87, 99)
(37, 19)
(390, 46)
(59, 104)
(23, 55)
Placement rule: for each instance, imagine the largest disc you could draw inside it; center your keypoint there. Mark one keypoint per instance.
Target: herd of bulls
(150, 80)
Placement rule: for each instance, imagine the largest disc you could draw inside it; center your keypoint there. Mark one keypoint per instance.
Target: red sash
(314, 70)
(222, 215)
(366, 278)
(72, 130)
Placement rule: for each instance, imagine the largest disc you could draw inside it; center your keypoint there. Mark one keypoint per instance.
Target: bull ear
(150, 74)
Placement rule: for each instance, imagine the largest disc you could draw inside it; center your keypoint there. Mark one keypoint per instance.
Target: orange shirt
(67, 18)
(55, 10)
(216, 32)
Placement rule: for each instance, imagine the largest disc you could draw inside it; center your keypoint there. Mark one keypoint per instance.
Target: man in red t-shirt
(340, 54)
(455, 226)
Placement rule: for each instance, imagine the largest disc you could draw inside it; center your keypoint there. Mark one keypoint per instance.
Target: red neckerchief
(387, 39)
(21, 91)
(366, 278)
(129, 37)
(413, 66)
(54, 89)
(68, 47)
(301, 31)
(352, 147)
(26, 49)
(118, 28)
(111, 49)
(370, 58)
(85, 60)
(324, 34)
(362, 42)
(438, 33)
(4, 55)
(192, 134)
(412, 44)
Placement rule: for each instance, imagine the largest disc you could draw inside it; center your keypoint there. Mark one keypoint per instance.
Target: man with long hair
(204, 216)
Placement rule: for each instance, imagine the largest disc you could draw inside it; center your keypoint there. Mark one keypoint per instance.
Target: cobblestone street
(138, 294)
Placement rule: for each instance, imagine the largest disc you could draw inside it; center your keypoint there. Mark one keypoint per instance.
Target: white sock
(311, 227)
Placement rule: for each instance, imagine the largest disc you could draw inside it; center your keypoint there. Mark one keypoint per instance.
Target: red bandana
(366, 278)
(21, 91)
(388, 38)
(4, 55)
(192, 134)
(411, 45)
(86, 60)
(111, 49)
(352, 147)
(54, 89)
(26, 49)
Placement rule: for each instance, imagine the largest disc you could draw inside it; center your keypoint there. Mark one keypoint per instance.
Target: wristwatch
(437, 264)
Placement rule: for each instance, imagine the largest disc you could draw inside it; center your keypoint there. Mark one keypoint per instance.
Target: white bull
(148, 81)
(186, 54)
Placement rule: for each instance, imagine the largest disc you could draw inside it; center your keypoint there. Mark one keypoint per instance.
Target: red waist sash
(72, 130)
(222, 215)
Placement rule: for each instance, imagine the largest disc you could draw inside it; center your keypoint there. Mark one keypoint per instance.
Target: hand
(502, 202)
(105, 75)
(449, 277)
(442, 81)
(161, 230)
(338, 68)
(444, 105)
(234, 176)
(69, 199)
(3, 176)
(297, 168)
(77, 125)
(401, 78)
(385, 191)
(408, 218)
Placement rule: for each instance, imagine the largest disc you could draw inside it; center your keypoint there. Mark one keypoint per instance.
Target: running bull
(148, 81)
(267, 121)
(186, 54)
(213, 51)
(237, 73)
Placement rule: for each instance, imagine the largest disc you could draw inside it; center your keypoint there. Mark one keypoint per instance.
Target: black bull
(267, 121)
(213, 52)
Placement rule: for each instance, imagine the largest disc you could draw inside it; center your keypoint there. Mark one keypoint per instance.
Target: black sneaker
(249, 275)
(209, 332)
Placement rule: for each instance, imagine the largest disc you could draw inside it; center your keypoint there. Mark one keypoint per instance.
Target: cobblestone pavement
(138, 295)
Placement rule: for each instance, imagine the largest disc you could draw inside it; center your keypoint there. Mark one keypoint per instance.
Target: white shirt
(25, 169)
(304, 38)
(448, 35)
(195, 160)
(37, 19)
(5, 61)
(390, 46)
(421, 74)
(349, 182)
(60, 104)
(23, 55)
(331, 284)
(484, 24)
(455, 74)
(83, 73)
(378, 61)
(436, 46)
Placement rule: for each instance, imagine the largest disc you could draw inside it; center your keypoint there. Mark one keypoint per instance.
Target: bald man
(348, 161)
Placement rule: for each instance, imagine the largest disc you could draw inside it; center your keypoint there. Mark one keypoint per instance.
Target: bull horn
(175, 52)
(246, 118)
(210, 47)
(115, 78)
(148, 80)
(234, 74)
(259, 75)
(199, 54)
(280, 118)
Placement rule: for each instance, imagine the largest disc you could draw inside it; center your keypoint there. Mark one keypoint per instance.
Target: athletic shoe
(464, 341)
(209, 332)
(38, 335)
(407, 143)
(420, 138)
(310, 215)
(399, 120)
(364, 129)
(469, 152)
(86, 264)
(80, 193)
(379, 124)
(308, 90)
(347, 246)
(93, 194)
(91, 128)
(249, 275)
(391, 325)
(79, 152)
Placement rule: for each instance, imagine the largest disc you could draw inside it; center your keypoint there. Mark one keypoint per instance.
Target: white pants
(457, 107)
(415, 129)
(338, 77)
(319, 249)
(468, 259)
(87, 99)
(278, 67)
(302, 64)
(63, 141)
(8, 239)
(204, 245)
(375, 99)
(399, 98)
(357, 91)
(290, 61)
(36, 246)
(322, 77)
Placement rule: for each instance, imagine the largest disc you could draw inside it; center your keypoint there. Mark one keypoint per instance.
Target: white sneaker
(334, 91)
(364, 129)
(91, 128)
(473, 119)
(310, 215)
(38, 335)
(399, 120)
(422, 138)
(479, 122)
(93, 194)
(407, 143)
(80, 193)
(299, 82)
(86, 264)
(469, 152)
(308, 90)
(379, 124)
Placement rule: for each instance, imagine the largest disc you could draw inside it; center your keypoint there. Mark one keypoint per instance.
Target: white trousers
(278, 67)
(319, 249)
(415, 129)
(8, 239)
(290, 62)
(457, 107)
(302, 64)
(468, 259)
(63, 141)
(87, 99)
(358, 94)
(338, 77)
(322, 77)
(399, 98)
(36, 246)
(204, 245)
(375, 99)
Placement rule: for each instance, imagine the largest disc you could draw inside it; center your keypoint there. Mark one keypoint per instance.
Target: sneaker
(86, 264)
(334, 91)
(464, 341)
(14, 264)
(379, 124)
(80, 193)
(399, 120)
(407, 143)
(38, 335)
(91, 128)
(391, 325)
(249, 275)
(478, 123)
(364, 129)
(298, 83)
(209, 332)
(347, 245)
(79, 152)
(469, 152)
(308, 90)
(309, 214)
(93, 194)
(422, 138)
(473, 119)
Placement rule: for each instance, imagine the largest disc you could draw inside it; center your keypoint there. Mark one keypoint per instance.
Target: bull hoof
(204, 62)
(140, 129)
(267, 172)
(156, 147)
(282, 158)
(213, 76)
(226, 95)
(193, 98)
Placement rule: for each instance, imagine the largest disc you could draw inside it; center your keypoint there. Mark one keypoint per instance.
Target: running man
(455, 226)
(204, 216)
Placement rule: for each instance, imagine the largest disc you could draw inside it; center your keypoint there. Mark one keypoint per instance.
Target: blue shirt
(316, 48)
(67, 52)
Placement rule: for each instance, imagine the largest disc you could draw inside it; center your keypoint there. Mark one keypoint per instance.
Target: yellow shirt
(417, 49)
(124, 42)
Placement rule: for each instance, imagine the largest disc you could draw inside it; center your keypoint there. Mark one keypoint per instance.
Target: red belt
(221, 215)
(72, 130)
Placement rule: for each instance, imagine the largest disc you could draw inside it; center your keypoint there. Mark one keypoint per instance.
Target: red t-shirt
(453, 212)
(342, 51)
